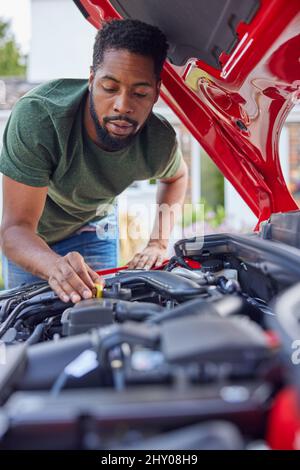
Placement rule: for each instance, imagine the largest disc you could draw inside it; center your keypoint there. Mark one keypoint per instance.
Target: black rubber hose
(162, 282)
(23, 289)
(11, 318)
(191, 307)
(36, 335)
(34, 298)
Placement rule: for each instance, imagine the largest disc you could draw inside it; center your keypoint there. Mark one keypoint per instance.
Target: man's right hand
(72, 279)
(69, 276)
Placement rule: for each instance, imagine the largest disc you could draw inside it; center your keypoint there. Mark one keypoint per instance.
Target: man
(70, 147)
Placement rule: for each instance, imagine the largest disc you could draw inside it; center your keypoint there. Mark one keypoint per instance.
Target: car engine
(189, 356)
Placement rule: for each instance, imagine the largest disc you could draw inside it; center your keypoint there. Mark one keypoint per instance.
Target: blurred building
(61, 41)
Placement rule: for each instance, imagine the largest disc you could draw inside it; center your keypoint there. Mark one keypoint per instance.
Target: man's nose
(123, 104)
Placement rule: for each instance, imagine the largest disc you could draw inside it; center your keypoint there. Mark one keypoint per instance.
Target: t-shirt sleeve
(24, 156)
(173, 163)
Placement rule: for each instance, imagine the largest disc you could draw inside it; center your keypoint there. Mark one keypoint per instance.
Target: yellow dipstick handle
(98, 292)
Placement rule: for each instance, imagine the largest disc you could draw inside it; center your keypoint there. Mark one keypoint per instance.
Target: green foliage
(213, 216)
(10, 55)
(212, 182)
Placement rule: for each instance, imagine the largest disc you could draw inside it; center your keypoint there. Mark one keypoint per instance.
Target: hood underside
(232, 76)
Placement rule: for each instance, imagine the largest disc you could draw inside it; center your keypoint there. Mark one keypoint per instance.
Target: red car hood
(232, 77)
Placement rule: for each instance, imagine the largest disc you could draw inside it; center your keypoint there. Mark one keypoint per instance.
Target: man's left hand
(153, 255)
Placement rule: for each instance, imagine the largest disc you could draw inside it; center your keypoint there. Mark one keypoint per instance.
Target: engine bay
(160, 358)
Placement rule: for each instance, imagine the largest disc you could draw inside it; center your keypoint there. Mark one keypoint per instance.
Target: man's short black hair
(136, 37)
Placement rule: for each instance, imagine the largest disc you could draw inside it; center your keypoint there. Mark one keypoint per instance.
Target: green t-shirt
(45, 144)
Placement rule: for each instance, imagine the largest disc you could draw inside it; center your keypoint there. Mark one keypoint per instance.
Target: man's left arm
(170, 197)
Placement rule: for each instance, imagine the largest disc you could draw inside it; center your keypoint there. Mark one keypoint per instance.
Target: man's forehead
(119, 63)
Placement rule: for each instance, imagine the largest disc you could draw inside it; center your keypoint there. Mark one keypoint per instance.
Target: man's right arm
(69, 276)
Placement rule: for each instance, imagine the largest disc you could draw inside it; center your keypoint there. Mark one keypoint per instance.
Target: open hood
(232, 76)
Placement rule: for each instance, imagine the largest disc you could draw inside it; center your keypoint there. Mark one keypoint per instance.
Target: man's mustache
(120, 118)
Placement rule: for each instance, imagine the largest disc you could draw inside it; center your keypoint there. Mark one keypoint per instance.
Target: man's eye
(140, 95)
(109, 90)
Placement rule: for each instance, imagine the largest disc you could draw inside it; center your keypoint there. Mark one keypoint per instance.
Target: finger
(130, 265)
(142, 261)
(56, 287)
(68, 276)
(151, 261)
(68, 289)
(80, 267)
(134, 262)
(159, 261)
(95, 277)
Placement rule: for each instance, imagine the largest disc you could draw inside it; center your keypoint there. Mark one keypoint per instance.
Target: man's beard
(110, 143)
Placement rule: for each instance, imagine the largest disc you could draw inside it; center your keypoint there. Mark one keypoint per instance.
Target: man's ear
(91, 78)
(158, 85)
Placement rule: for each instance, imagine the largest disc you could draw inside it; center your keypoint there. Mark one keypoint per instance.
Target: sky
(18, 11)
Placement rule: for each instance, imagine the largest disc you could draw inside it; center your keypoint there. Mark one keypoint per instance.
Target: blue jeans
(99, 248)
